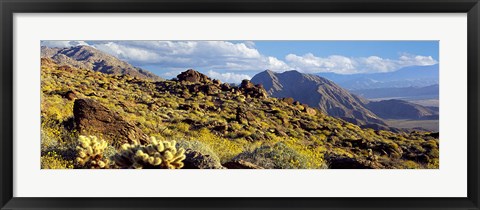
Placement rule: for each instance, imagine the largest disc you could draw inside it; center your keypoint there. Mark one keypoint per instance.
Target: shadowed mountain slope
(318, 92)
(399, 109)
(86, 57)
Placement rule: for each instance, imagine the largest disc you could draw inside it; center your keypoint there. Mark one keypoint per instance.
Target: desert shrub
(156, 155)
(90, 153)
(224, 148)
(54, 161)
(199, 147)
(314, 156)
(277, 156)
(183, 127)
(410, 164)
(57, 108)
(55, 134)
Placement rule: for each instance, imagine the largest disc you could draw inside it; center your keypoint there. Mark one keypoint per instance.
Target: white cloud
(276, 65)
(228, 77)
(171, 74)
(224, 56)
(309, 63)
(127, 53)
(63, 44)
(216, 55)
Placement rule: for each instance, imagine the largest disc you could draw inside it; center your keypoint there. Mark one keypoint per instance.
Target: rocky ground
(214, 124)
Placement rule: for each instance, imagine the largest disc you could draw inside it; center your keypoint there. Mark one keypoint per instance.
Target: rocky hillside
(399, 109)
(336, 101)
(86, 57)
(96, 120)
(319, 93)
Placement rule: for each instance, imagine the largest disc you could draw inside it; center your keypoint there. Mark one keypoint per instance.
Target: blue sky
(384, 49)
(232, 61)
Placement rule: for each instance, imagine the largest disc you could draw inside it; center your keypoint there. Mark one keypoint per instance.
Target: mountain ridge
(86, 57)
(336, 101)
(318, 92)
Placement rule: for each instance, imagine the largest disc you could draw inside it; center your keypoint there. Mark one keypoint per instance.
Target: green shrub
(54, 161)
(199, 147)
(277, 156)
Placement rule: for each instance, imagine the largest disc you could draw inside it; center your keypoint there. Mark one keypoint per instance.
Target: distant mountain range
(329, 97)
(86, 57)
(413, 76)
(399, 109)
(427, 92)
(317, 92)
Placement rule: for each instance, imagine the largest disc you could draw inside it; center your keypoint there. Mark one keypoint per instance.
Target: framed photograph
(239, 105)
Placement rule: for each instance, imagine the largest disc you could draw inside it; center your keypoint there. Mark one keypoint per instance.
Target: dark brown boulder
(254, 91)
(241, 164)
(242, 116)
(92, 118)
(193, 76)
(217, 82)
(209, 89)
(246, 84)
(225, 87)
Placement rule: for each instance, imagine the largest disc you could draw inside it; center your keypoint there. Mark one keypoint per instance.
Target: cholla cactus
(90, 153)
(158, 154)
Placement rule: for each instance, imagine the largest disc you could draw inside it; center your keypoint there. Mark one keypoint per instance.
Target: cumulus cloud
(126, 52)
(225, 56)
(197, 54)
(310, 63)
(229, 77)
(63, 44)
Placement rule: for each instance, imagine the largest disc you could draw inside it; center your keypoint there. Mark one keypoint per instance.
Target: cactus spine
(157, 154)
(90, 153)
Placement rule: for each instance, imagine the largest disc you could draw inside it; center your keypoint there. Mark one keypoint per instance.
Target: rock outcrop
(254, 91)
(193, 76)
(92, 118)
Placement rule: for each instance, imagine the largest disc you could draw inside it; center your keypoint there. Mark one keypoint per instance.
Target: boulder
(197, 160)
(217, 82)
(241, 164)
(246, 84)
(225, 87)
(193, 76)
(92, 118)
(254, 91)
(244, 116)
(209, 89)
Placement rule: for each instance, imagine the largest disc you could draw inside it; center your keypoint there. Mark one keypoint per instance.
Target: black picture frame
(9, 7)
